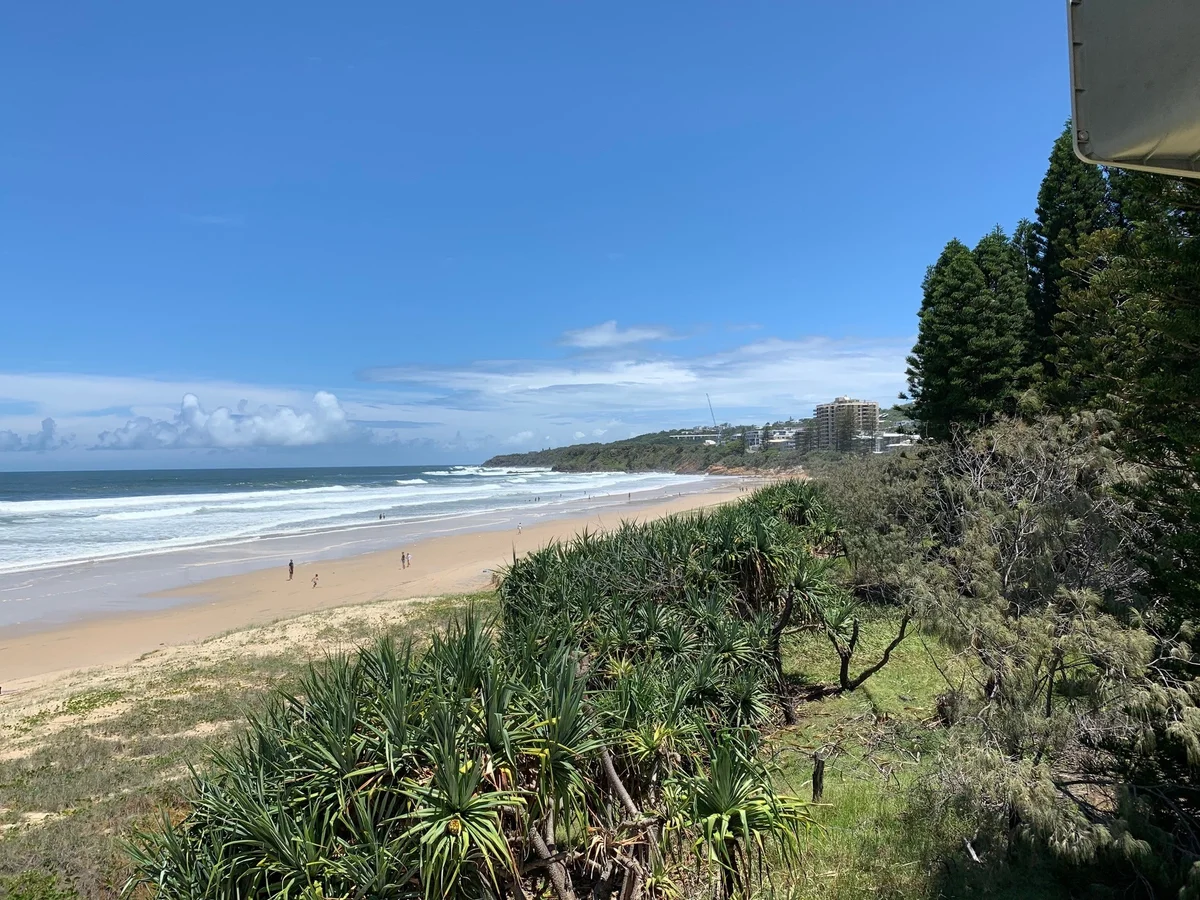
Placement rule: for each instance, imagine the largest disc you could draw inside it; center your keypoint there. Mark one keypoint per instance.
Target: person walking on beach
(408, 560)
(315, 577)
(403, 560)
(291, 568)
(518, 528)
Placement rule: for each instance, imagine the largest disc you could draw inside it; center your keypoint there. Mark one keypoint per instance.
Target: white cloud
(607, 334)
(268, 426)
(39, 441)
(433, 413)
(771, 376)
(67, 394)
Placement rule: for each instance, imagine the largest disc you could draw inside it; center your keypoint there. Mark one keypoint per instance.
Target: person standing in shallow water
(291, 568)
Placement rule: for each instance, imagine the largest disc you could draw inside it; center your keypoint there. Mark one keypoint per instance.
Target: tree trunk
(844, 670)
(887, 653)
(631, 808)
(618, 786)
(605, 883)
(729, 874)
(845, 654)
(559, 876)
(776, 644)
(1050, 687)
(818, 777)
(1014, 822)
(632, 889)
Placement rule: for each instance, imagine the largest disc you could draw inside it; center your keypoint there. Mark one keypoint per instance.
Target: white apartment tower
(846, 424)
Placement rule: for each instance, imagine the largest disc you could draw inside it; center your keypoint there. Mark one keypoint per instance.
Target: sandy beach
(451, 564)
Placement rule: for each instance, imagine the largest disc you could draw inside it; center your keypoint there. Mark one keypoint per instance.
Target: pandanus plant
(456, 822)
(736, 819)
(579, 745)
(793, 500)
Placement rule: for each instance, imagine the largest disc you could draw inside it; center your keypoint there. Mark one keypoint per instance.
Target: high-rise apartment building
(846, 425)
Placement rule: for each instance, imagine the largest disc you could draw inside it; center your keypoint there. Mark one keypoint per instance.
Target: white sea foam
(41, 533)
(34, 507)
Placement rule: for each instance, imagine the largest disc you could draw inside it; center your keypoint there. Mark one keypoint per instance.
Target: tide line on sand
(451, 564)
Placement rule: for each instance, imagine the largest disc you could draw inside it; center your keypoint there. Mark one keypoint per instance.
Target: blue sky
(302, 233)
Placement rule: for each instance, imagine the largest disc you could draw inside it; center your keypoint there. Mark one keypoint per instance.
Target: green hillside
(659, 452)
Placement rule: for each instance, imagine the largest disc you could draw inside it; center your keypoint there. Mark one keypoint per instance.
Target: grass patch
(82, 771)
(875, 740)
(873, 836)
(67, 804)
(78, 705)
(34, 886)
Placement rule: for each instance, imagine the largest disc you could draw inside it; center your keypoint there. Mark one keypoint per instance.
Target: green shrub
(603, 737)
(35, 885)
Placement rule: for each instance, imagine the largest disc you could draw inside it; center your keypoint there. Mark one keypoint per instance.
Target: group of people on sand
(405, 563)
(292, 572)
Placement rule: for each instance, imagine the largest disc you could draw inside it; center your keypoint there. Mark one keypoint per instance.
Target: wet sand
(451, 564)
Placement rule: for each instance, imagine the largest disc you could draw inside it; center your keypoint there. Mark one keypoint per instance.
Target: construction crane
(716, 427)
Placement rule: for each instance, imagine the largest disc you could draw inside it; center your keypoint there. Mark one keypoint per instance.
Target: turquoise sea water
(54, 518)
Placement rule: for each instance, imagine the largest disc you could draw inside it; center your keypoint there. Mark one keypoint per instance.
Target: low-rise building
(782, 438)
(892, 441)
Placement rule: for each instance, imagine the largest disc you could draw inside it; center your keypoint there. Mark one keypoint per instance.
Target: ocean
(52, 519)
(81, 544)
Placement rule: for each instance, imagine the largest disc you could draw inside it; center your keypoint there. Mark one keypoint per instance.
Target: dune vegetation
(829, 689)
(961, 670)
(603, 737)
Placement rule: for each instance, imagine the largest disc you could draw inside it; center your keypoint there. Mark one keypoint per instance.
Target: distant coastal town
(844, 425)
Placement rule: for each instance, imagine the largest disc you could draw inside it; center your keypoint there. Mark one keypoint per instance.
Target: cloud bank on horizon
(268, 426)
(47, 438)
(609, 383)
